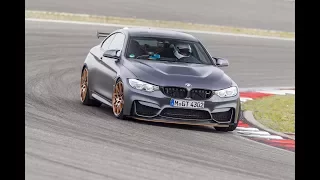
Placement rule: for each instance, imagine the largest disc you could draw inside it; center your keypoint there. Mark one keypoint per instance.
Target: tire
(84, 90)
(231, 127)
(118, 100)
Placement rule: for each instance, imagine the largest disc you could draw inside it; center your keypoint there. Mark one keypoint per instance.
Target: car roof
(162, 33)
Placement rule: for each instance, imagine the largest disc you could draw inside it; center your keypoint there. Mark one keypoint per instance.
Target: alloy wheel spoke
(117, 99)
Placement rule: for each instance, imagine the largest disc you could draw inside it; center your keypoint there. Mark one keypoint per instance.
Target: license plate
(186, 104)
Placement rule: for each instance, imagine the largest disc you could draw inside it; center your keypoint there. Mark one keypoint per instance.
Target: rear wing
(102, 34)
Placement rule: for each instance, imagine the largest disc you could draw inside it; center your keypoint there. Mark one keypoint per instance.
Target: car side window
(117, 42)
(107, 42)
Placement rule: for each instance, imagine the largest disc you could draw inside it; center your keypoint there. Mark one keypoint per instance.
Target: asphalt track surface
(261, 14)
(66, 140)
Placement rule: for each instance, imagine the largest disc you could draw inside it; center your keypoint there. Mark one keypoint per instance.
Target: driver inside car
(183, 52)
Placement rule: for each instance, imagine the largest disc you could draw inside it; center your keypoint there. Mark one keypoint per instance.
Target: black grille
(185, 113)
(222, 116)
(200, 94)
(175, 92)
(143, 110)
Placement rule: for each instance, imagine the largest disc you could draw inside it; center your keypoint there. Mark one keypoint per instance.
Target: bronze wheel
(84, 85)
(85, 90)
(118, 99)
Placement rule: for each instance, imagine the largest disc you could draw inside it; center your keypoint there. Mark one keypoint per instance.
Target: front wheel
(118, 100)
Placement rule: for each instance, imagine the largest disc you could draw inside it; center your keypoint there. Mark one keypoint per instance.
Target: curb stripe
(283, 141)
(284, 145)
(246, 129)
(241, 124)
(258, 133)
(253, 95)
(264, 136)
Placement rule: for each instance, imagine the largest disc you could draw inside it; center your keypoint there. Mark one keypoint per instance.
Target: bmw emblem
(188, 84)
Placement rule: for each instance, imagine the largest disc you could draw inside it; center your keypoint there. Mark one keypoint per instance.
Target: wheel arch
(84, 66)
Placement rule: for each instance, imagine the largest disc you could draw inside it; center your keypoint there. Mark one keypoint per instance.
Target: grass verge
(276, 112)
(154, 23)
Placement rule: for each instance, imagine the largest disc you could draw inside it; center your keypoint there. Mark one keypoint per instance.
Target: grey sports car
(162, 76)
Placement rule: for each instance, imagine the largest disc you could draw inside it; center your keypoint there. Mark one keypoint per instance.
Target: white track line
(246, 129)
(273, 92)
(255, 89)
(279, 92)
(264, 136)
(190, 31)
(244, 99)
(289, 91)
(256, 133)
(253, 133)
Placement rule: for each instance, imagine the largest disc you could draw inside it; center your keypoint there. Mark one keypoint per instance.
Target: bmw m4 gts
(161, 76)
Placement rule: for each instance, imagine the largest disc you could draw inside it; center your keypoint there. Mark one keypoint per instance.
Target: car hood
(178, 74)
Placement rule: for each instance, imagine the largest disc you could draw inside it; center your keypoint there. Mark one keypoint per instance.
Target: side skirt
(101, 99)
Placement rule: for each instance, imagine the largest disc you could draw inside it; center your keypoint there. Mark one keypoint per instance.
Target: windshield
(168, 50)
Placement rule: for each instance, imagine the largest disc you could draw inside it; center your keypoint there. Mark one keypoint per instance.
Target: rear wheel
(118, 100)
(84, 90)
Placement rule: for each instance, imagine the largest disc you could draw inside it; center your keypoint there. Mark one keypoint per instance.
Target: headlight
(229, 92)
(140, 85)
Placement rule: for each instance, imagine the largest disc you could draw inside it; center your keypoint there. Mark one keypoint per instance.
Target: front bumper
(155, 106)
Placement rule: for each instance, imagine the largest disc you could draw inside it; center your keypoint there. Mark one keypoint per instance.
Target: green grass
(154, 23)
(276, 112)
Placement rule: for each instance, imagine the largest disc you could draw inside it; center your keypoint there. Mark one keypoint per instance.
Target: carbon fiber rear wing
(102, 34)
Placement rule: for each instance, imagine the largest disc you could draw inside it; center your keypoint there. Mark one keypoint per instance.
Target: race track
(66, 140)
(262, 14)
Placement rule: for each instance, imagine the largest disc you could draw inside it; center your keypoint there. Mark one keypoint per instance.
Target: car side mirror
(221, 62)
(112, 53)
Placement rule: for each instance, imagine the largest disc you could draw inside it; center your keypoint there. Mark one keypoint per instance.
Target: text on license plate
(186, 104)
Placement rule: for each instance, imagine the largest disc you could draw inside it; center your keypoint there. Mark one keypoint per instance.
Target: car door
(98, 70)
(110, 66)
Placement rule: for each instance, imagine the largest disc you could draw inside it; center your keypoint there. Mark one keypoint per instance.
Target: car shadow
(108, 111)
